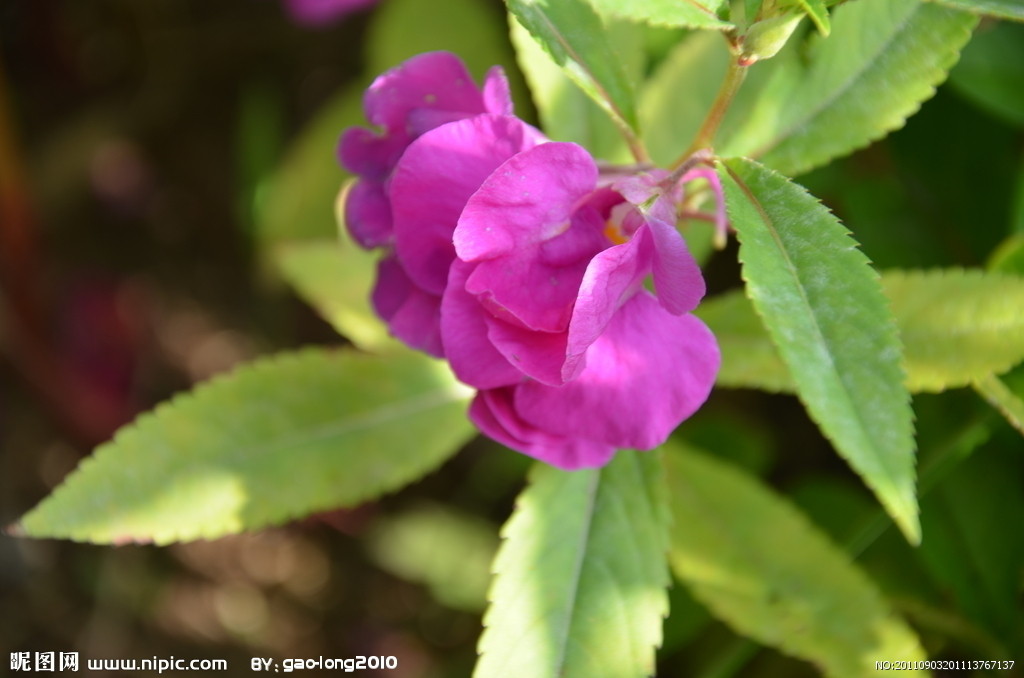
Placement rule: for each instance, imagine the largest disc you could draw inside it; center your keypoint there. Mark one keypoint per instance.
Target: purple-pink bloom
(424, 92)
(316, 13)
(439, 137)
(546, 312)
(516, 260)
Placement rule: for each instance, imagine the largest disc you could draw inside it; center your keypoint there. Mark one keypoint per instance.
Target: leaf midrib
(861, 424)
(357, 422)
(571, 52)
(788, 132)
(577, 572)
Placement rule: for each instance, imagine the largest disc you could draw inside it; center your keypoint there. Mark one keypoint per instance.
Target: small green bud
(767, 37)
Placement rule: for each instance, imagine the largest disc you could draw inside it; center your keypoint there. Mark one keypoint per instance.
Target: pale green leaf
(335, 278)
(575, 38)
(749, 358)
(688, 13)
(818, 13)
(1003, 9)
(579, 589)
(471, 29)
(274, 440)
(824, 309)
(675, 100)
(991, 70)
(298, 200)
(1003, 398)
(566, 112)
(881, 61)
(759, 565)
(448, 551)
(957, 325)
(1008, 257)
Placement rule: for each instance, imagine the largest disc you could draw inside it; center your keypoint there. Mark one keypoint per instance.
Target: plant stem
(730, 85)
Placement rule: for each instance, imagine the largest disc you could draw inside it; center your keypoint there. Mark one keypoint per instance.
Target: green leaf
(335, 278)
(818, 12)
(274, 440)
(759, 565)
(1003, 398)
(448, 551)
(566, 112)
(675, 100)
(1003, 9)
(957, 325)
(966, 547)
(1009, 256)
(575, 38)
(298, 200)
(749, 358)
(991, 70)
(579, 589)
(471, 29)
(689, 14)
(825, 311)
(883, 58)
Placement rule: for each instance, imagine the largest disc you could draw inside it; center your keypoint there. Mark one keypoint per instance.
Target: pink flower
(425, 92)
(545, 310)
(513, 258)
(316, 13)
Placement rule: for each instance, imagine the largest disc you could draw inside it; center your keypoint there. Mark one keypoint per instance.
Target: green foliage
(335, 278)
(842, 96)
(579, 589)
(991, 70)
(468, 28)
(760, 566)
(749, 358)
(1003, 398)
(575, 38)
(818, 13)
(448, 551)
(566, 112)
(957, 326)
(965, 545)
(693, 14)
(825, 311)
(276, 439)
(675, 99)
(298, 200)
(1003, 9)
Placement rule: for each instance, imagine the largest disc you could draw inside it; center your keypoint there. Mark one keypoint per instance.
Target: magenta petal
(412, 314)
(648, 372)
(539, 355)
(677, 277)
(527, 200)
(369, 155)
(497, 97)
(612, 277)
(315, 13)
(493, 413)
(368, 215)
(434, 80)
(434, 179)
(473, 358)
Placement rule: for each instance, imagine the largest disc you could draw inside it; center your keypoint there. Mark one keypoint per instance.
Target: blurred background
(149, 153)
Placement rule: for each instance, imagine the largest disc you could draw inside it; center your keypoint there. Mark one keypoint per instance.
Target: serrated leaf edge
(253, 368)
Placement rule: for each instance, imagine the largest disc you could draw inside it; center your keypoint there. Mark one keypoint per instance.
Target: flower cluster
(513, 257)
